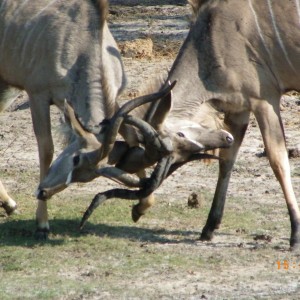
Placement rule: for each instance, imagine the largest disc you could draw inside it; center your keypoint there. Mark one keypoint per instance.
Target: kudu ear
(73, 121)
(161, 111)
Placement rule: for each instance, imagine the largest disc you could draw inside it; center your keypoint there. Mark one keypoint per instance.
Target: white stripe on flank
(30, 36)
(36, 45)
(28, 41)
(259, 28)
(17, 11)
(49, 4)
(277, 33)
(14, 15)
(298, 9)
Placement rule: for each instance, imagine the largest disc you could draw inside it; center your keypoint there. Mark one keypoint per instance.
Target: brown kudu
(57, 50)
(241, 56)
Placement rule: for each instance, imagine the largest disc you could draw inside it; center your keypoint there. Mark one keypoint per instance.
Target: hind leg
(6, 201)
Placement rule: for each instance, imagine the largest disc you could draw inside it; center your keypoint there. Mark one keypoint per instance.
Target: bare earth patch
(160, 257)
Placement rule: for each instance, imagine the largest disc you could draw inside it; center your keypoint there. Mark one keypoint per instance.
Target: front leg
(138, 159)
(152, 152)
(40, 112)
(237, 126)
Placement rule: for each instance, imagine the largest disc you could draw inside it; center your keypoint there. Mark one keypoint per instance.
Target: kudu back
(57, 50)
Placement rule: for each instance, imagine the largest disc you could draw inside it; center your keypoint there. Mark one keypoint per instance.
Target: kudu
(241, 56)
(57, 50)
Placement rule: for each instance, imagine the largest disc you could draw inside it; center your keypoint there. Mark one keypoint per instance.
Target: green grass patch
(111, 252)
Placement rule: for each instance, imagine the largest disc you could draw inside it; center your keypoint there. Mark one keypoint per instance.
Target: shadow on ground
(21, 233)
(147, 2)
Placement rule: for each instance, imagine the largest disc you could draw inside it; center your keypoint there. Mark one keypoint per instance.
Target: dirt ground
(149, 34)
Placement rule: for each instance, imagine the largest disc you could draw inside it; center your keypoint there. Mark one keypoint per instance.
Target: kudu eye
(76, 160)
(180, 134)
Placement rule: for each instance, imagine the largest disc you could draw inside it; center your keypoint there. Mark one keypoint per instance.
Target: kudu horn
(149, 185)
(118, 118)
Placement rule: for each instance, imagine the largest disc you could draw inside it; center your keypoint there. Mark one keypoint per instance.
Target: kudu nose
(229, 138)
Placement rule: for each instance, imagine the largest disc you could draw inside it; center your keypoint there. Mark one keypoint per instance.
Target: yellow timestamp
(287, 265)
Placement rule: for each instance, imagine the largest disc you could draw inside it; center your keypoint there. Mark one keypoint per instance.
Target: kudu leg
(270, 124)
(7, 96)
(40, 112)
(144, 204)
(236, 125)
(6, 201)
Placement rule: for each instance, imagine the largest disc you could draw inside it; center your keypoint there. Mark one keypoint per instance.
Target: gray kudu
(57, 50)
(241, 56)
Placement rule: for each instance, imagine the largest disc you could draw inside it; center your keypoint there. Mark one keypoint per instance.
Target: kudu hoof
(295, 245)
(135, 214)
(206, 235)
(41, 234)
(9, 209)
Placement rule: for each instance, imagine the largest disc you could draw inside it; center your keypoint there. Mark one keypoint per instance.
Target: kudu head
(187, 136)
(82, 154)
